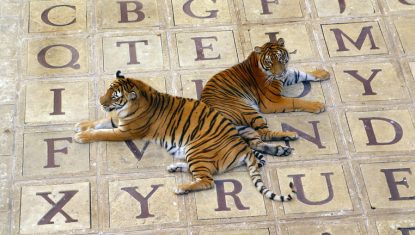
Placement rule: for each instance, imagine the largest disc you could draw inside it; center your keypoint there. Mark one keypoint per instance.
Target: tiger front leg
(92, 135)
(295, 76)
(105, 123)
(287, 104)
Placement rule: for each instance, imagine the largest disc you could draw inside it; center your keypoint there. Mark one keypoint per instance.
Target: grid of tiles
(353, 165)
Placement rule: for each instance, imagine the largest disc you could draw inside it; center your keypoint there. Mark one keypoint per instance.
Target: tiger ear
(258, 50)
(132, 95)
(281, 42)
(118, 75)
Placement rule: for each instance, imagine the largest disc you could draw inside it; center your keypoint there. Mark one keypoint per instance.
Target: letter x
(57, 207)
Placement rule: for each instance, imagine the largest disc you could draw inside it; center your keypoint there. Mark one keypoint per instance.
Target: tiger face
(118, 95)
(273, 59)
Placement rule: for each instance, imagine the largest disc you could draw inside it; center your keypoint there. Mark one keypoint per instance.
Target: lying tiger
(210, 143)
(241, 92)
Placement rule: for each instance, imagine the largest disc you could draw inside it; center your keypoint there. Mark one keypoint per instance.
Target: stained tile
(315, 132)
(257, 11)
(234, 196)
(200, 12)
(325, 229)
(327, 8)
(406, 34)
(57, 56)
(390, 130)
(135, 155)
(354, 39)
(369, 82)
(56, 102)
(7, 91)
(319, 189)
(143, 202)
(206, 49)
(49, 153)
(57, 15)
(390, 185)
(396, 227)
(133, 53)
(128, 14)
(401, 5)
(6, 129)
(54, 208)
(290, 32)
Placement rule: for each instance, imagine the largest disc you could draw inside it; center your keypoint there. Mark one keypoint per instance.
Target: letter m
(364, 33)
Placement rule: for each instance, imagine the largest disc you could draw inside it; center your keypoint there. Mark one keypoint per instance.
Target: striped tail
(252, 166)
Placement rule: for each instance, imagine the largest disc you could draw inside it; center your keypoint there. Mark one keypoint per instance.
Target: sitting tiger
(254, 86)
(210, 143)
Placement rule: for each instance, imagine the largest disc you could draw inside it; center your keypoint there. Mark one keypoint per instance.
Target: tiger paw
(283, 151)
(320, 74)
(84, 125)
(289, 135)
(180, 191)
(83, 137)
(316, 107)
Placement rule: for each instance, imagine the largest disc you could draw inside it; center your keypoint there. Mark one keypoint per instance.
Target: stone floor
(354, 165)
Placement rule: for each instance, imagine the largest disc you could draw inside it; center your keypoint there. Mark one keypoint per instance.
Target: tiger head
(273, 59)
(119, 94)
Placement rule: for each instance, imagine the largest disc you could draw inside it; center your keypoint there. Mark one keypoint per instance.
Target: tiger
(244, 91)
(186, 128)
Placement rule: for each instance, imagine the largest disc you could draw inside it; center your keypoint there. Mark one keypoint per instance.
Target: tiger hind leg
(255, 142)
(178, 167)
(197, 185)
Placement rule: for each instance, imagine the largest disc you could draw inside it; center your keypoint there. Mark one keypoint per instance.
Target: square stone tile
(54, 153)
(315, 132)
(234, 196)
(325, 228)
(54, 208)
(57, 15)
(389, 185)
(374, 81)
(11, 9)
(57, 56)
(143, 202)
(396, 226)
(9, 68)
(56, 102)
(260, 34)
(236, 231)
(320, 189)
(327, 8)
(5, 166)
(6, 129)
(257, 11)
(8, 46)
(200, 12)
(4, 195)
(128, 14)
(4, 222)
(401, 5)
(206, 49)
(406, 34)
(388, 131)
(133, 53)
(354, 39)
(136, 155)
(191, 85)
(7, 91)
